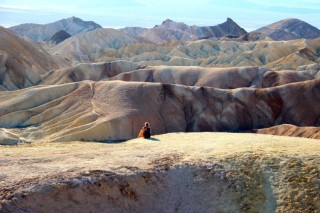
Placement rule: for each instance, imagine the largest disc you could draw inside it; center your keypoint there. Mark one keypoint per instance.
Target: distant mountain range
(289, 29)
(39, 32)
(171, 30)
(58, 31)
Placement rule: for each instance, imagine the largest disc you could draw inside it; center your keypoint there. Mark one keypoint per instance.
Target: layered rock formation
(70, 107)
(268, 87)
(88, 71)
(115, 110)
(289, 29)
(88, 46)
(39, 32)
(223, 78)
(21, 62)
(141, 45)
(113, 45)
(273, 54)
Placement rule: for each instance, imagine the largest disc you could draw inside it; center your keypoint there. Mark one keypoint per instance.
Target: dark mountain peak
(167, 21)
(59, 37)
(229, 20)
(231, 28)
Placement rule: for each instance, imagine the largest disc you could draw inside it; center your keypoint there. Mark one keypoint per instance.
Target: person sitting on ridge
(145, 132)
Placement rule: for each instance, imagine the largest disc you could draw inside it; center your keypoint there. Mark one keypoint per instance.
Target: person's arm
(140, 134)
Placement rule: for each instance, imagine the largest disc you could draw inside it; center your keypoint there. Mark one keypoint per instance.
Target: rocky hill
(95, 111)
(39, 32)
(273, 54)
(289, 29)
(86, 47)
(21, 62)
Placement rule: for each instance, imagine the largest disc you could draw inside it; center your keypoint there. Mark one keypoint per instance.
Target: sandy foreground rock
(177, 172)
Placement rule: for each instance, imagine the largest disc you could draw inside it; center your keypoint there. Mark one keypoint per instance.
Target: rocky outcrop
(21, 62)
(289, 29)
(38, 32)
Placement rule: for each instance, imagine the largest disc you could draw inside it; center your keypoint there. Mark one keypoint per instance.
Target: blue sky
(249, 14)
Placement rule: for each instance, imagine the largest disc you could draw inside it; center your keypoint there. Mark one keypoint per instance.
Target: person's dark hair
(147, 130)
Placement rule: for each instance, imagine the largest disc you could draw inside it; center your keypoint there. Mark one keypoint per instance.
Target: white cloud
(15, 7)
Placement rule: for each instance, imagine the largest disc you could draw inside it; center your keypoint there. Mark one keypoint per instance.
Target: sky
(249, 14)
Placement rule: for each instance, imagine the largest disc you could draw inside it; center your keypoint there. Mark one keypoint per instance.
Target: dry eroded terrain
(177, 172)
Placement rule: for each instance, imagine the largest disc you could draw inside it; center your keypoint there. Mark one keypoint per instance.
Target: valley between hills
(235, 118)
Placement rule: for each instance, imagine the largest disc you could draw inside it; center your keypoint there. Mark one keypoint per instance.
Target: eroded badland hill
(73, 97)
